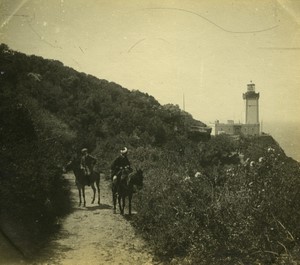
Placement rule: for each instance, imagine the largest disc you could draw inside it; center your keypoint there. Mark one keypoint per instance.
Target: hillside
(205, 200)
(91, 107)
(48, 113)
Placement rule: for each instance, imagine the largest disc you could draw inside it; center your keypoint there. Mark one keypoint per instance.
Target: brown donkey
(124, 187)
(81, 181)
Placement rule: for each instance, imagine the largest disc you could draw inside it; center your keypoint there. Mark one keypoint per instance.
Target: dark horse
(81, 180)
(123, 186)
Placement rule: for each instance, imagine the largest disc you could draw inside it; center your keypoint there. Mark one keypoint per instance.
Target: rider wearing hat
(121, 162)
(87, 163)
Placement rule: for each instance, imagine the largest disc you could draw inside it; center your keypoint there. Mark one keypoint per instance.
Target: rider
(87, 164)
(121, 162)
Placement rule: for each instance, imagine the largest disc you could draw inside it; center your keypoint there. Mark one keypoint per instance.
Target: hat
(84, 150)
(124, 150)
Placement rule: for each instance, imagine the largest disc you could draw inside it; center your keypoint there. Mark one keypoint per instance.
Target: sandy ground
(95, 235)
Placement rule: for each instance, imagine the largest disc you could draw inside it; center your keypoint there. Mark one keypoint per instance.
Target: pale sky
(207, 50)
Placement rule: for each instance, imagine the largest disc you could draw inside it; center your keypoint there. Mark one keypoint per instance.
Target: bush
(33, 192)
(226, 214)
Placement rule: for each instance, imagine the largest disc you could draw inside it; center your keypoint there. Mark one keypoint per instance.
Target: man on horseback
(120, 164)
(87, 164)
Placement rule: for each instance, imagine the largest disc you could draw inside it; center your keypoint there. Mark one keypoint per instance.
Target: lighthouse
(251, 98)
(251, 127)
(252, 111)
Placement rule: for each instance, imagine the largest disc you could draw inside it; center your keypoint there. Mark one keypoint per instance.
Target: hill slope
(241, 207)
(48, 113)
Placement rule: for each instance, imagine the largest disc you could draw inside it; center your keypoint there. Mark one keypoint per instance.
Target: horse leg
(129, 203)
(114, 197)
(79, 192)
(94, 192)
(123, 203)
(114, 202)
(123, 200)
(83, 195)
(120, 200)
(98, 190)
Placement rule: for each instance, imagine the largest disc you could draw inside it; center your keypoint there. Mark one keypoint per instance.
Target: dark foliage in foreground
(33, 192)
(49, 112)
(229, 213)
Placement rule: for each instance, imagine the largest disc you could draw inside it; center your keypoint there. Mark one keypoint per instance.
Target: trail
(95, 235)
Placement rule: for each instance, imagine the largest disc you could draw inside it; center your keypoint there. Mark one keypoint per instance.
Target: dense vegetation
(229, 212)
(48, 113)
(242, 207)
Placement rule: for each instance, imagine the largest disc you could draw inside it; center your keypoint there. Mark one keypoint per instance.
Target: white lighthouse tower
(252, 110)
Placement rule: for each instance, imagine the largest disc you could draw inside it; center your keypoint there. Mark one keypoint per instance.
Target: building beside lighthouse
(251, 125)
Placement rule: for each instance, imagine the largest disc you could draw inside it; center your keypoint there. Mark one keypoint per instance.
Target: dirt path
(95, 235)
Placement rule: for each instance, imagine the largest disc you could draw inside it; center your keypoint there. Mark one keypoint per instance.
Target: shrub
(226, 214)
(31, 181)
